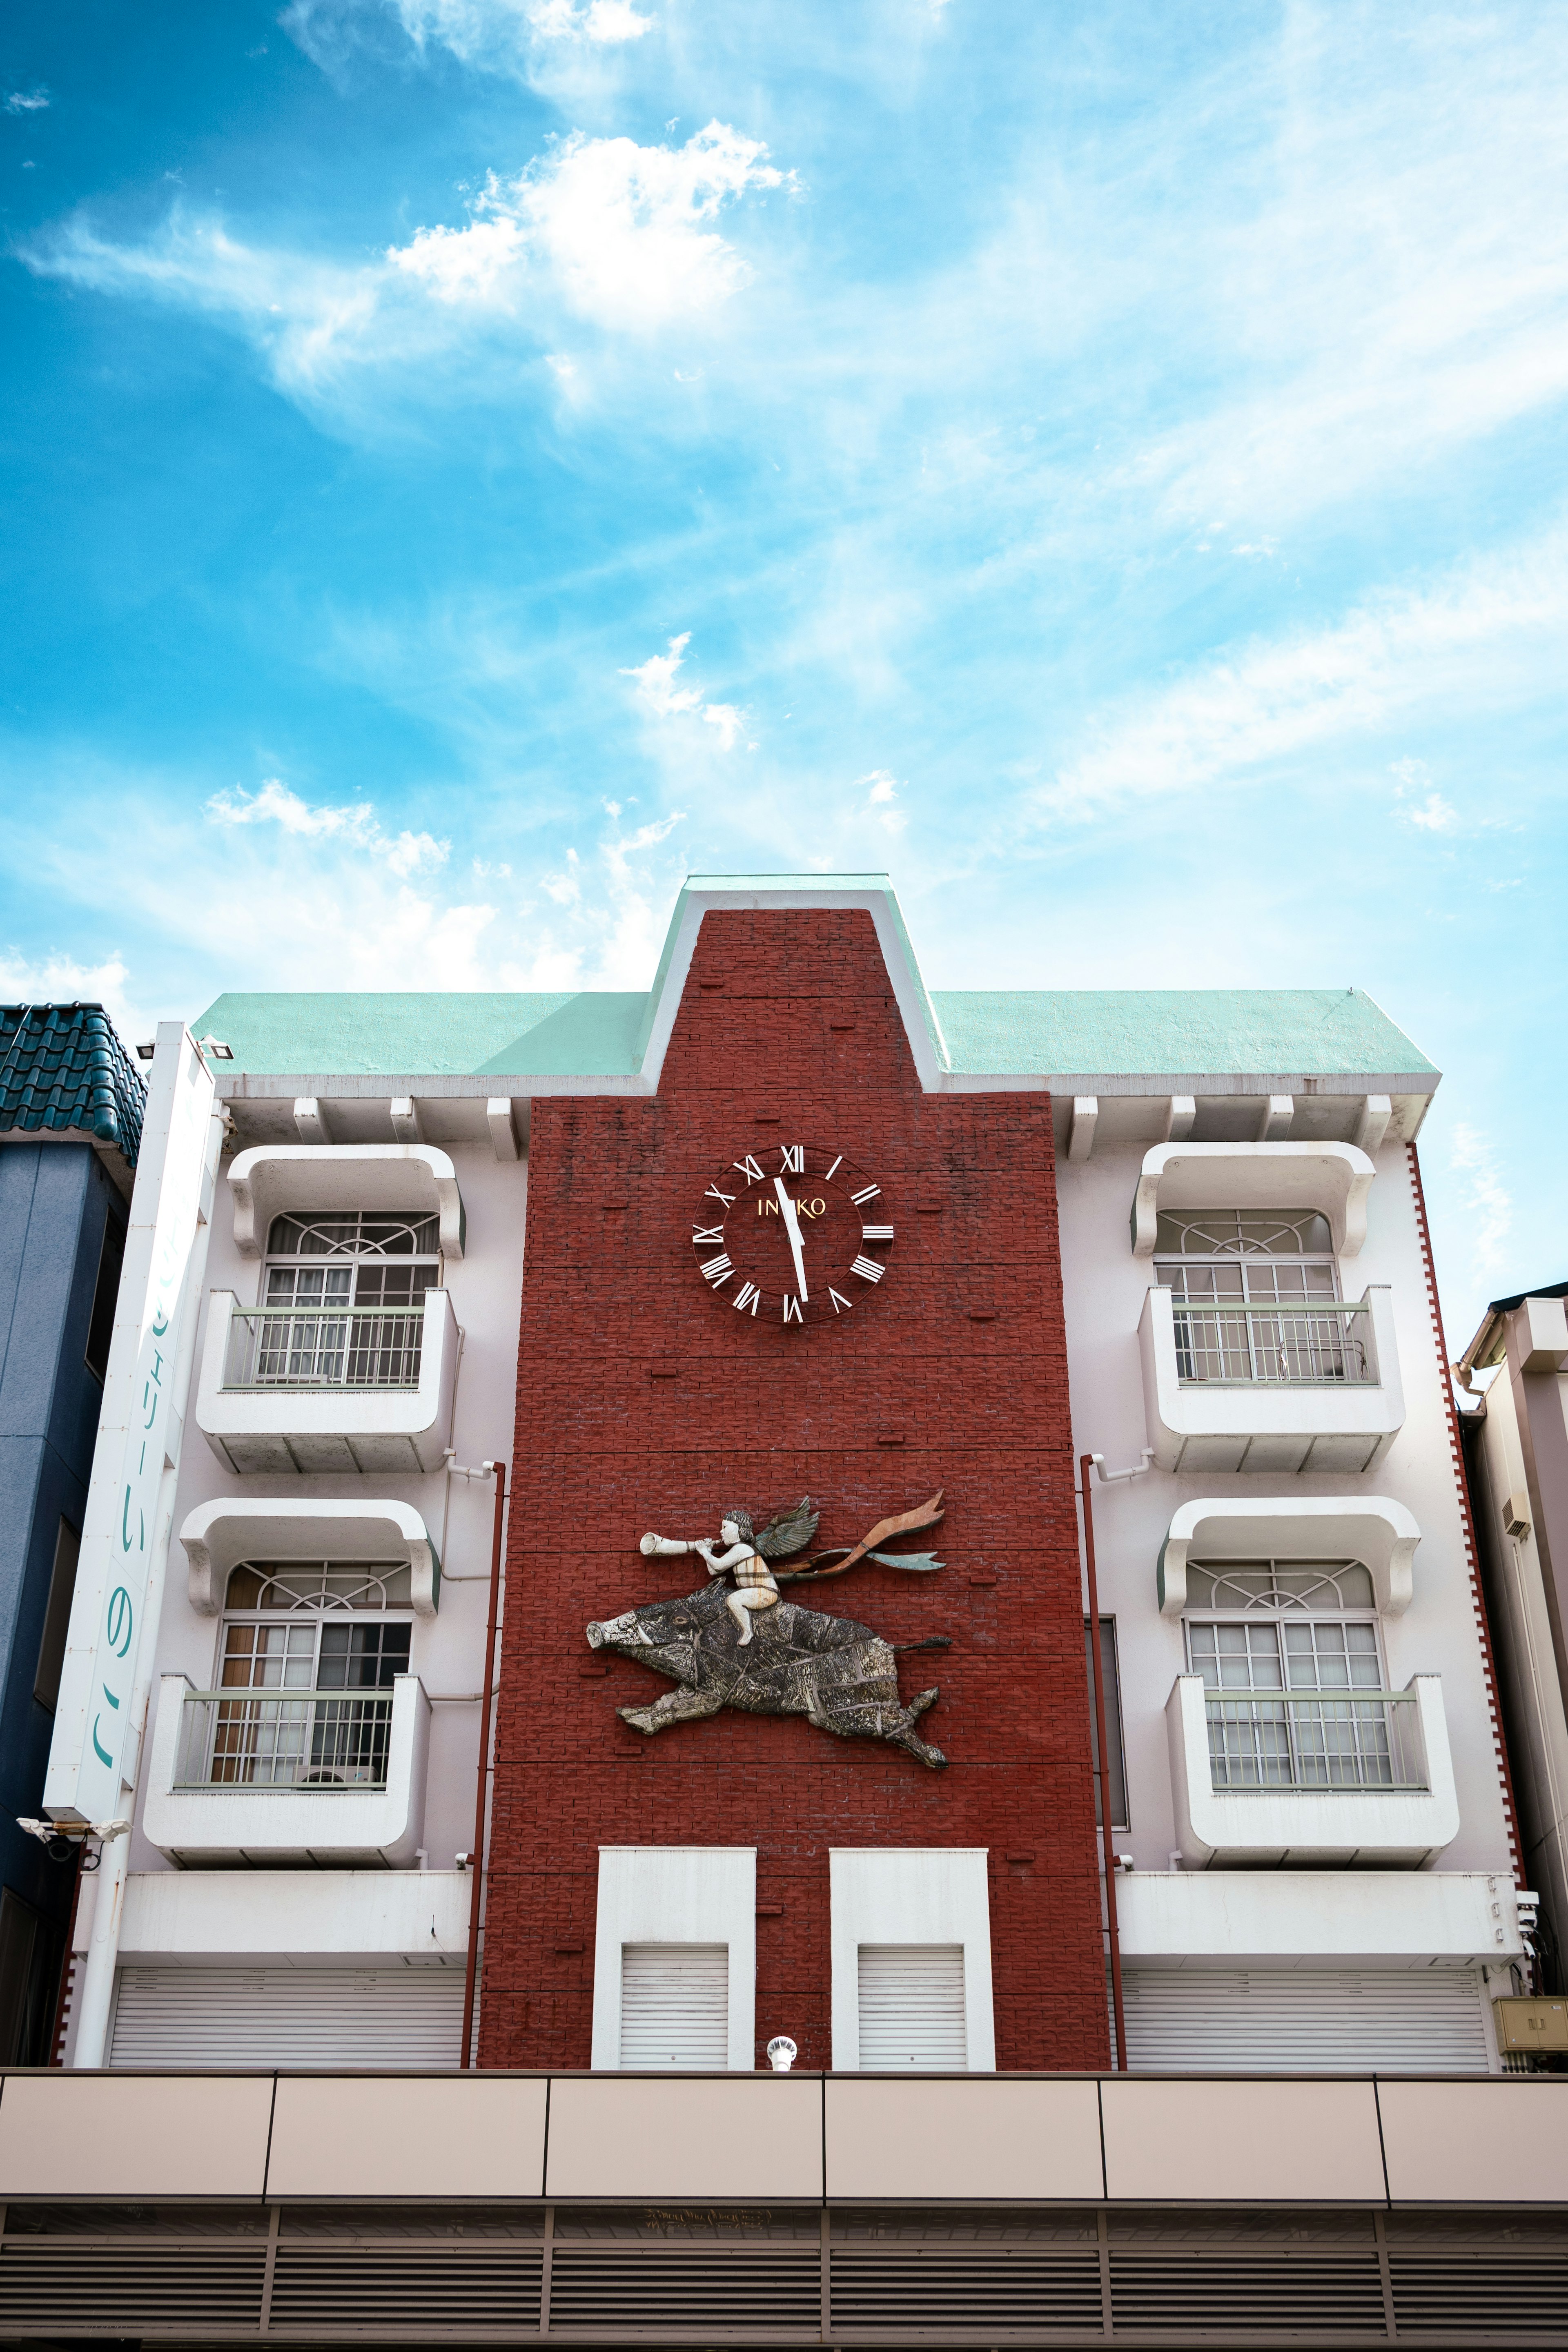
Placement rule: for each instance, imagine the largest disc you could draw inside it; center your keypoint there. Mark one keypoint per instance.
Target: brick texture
(644, 1401)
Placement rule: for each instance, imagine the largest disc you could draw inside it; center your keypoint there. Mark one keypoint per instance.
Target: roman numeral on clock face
(747, 1168)
(746, 1297)
(716, 1270)
(714, 1193)
(866, 1192)
(792, 1313)
(708, 1237)
(870, 1269)
(793, 1160)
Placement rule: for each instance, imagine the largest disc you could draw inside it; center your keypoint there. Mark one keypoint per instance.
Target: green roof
(1131, 1033)
(1155, 1034)
(63, 1070)
(1169, 1031)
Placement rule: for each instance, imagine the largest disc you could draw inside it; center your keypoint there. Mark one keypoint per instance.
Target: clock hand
(792, 1226)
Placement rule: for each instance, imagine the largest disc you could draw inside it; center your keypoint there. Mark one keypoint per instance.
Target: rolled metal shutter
(674, 2005)
(288, 2017)
(912, 2007)
(1281, 2021)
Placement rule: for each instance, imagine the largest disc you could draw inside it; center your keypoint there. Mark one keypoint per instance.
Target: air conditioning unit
(1516, 1515)
(1530, 2025)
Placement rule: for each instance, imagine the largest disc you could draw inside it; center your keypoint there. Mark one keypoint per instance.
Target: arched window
(1292, 1662)
(315, 1646)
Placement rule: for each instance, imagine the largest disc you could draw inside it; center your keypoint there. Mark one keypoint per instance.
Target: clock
(792, 1233)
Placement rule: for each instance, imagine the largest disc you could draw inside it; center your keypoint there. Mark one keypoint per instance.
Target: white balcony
(337, 1389)
(283, 1777)
(1293, 1779)
(309, 1179)
(1231, 1385)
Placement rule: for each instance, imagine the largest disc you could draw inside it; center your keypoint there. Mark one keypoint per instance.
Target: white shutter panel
(912, 2007)
(288, 2017)
(1276, 2021)
(674, 2005)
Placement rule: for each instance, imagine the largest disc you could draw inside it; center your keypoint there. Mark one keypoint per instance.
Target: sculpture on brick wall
(749, 1647)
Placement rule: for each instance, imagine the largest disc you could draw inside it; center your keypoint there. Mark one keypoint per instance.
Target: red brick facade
(646, 1401)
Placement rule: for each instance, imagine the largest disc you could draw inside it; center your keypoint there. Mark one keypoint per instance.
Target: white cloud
(659, 695)
(1484, 1196)
(607, 22)
(275, 804)
(621, 230)
(27, 102)
(1474, 636)
(61, 980)
(601, 229)
(1432, 812)
(882, 789)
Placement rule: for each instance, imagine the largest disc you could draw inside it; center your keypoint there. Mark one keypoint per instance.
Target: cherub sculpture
(743, 1554)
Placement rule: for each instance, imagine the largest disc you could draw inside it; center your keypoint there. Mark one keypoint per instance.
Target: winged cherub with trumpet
(744, 1554)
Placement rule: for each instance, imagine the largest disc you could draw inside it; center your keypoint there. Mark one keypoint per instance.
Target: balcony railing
(284, 1740)
(1241, 1343)
(343, 1347)
(1312, 1740)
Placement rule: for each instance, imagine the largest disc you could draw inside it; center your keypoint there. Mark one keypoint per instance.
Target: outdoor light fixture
(781, 2053)
(214, 1050)
(145, 1053)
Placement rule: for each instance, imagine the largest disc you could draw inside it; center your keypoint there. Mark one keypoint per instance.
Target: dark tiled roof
(63, 1069)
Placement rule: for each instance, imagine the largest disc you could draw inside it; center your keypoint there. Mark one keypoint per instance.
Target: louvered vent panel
(391, 2287)
(729, 2288)
(1002, 2288)
(288, 2017)
(61, 2287)
(1260, 2021)
(912, 2007)
(1511, 2291)
(674, 2005)
(1231, 2291)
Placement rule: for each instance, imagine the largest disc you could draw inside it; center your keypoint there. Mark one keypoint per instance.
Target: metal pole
(1095, 1684)
(57, 2039)
(477, 1857)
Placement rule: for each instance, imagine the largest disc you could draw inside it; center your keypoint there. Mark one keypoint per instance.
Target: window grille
(1295, 1696)
(316, 1709)
(1255, 1299)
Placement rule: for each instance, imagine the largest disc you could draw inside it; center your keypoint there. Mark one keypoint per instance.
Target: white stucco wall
(448, 1649)
(1105, 1287)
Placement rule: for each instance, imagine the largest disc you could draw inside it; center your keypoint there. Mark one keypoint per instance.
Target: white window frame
(675, 1894)
(910, 1895)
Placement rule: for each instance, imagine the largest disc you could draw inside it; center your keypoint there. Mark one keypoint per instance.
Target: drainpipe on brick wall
(1087, 1464)
(477, 1858)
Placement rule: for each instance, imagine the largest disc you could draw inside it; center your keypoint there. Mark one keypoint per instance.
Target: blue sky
(467, 462)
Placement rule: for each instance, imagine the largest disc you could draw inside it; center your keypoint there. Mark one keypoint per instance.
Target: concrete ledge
(1496, 2142)
(1237, 2141)
(746, 2136)
(202, 1916)
(949, 2137)
(134, 2136)
(1285, 1917)
(472, 2135)
(1258, 2143)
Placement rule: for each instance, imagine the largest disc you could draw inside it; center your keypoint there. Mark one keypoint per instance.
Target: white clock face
(793, 1233)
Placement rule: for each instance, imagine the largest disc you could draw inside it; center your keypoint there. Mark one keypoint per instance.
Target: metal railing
(284, 1740)
(330, 1348)
(1315, 1740)
(1241, 1342)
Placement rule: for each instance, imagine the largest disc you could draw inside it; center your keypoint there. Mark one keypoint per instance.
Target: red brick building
(645, 1400)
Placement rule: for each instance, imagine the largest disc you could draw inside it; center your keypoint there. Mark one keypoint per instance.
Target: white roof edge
(871, 894)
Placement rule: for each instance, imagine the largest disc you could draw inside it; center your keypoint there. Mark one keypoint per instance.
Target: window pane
(101, 1323)
(57, 1616)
